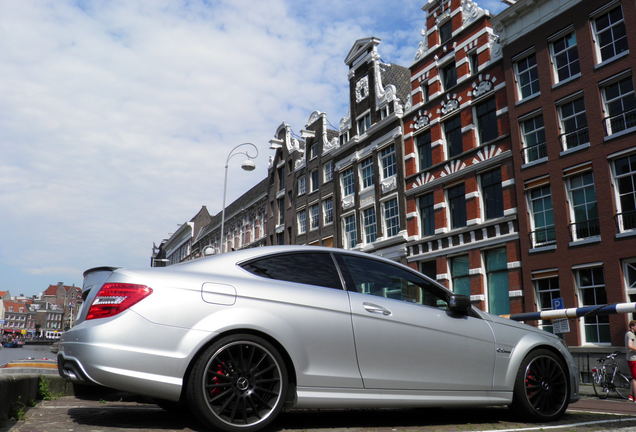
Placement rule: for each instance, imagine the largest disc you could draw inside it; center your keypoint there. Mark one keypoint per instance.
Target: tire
(239, 383)
(622, 385)
(541, 391)
(599, 385)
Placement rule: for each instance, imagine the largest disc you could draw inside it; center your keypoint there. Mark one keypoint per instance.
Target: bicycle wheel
(622, 385)
(598, 383)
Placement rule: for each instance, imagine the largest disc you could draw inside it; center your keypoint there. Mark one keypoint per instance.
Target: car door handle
(375, 309)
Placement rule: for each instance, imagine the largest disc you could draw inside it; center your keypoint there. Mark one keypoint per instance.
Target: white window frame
(533, 228)
(363, 123)
(518, 73)
(607, 120)
(385, 221)
(314, 217)
(302, 185)
(326, 211)
(579, 294)
(383, 158)
(568, 50)
(327, 171)
(346, 240)
(366, 163)
(595, 33)
(617, 195)
(576, 116)
(534, 131)
(343, 184)
(569, 191)
(364, 225)
(314, 180)
(301, 218)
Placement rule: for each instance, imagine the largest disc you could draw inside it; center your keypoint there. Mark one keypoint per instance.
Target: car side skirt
(312, 397)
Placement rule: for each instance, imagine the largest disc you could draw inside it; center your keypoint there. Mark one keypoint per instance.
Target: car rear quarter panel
(312, 324)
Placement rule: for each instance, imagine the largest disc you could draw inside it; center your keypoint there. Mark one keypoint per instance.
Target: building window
(427, 214)
(591, 289)
(449, 75)
(327, 211)
(542, 220)
(429, 268)
(565, 57)
(385, 111)
(391, 217)
(534, 146)
(497, 279)
(629, 277)
(312, 151)
(625, 187)
(302, 221)
(364, 123)
(350, 237)
(344, 138)
(314, 217)
(492, 194)
(425, 91)
(573, 124)
(583, 209)
(445, 32)
(610, 35)
(366, 172)
(527, 77)
(457, 206)
(424, 150)
(348, 182)
(487, 120)
(369, 224)
(387, 161)
(460, 277)
(302, 185)
(281, 178)
(620, 106)
(327, 171)
(281, 210)
(314, 180)
(453, 135)
(473, 62)
(547, 289)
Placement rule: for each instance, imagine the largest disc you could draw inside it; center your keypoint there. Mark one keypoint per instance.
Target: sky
(116, 116)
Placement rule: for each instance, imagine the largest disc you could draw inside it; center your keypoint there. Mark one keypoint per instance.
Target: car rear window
(306, 268)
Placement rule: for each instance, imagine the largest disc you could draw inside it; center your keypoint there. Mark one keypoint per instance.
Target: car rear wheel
(239, 383)
(541, 388)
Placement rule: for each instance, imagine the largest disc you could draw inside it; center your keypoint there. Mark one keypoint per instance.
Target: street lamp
(248, 165)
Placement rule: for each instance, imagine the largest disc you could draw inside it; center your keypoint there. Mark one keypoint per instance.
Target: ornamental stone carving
(483, 85)
(362, 88)
(471, 11)
(388, 184)
(347, 202)
(450, 105)
(422, 119)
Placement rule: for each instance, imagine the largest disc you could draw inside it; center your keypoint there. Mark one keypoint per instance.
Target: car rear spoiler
(94, 269)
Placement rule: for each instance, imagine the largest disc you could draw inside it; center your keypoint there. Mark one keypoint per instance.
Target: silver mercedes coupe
(239, 337)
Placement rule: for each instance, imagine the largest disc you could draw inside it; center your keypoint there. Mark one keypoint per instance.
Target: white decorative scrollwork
(345, 123)
(347, 202)
(486, 153)
(483, 85)
(471, 11)
(422, 119)
(452, 167)
(388, 184)
(362, 88)
(451, 104)
(313, 117)
(422, 180)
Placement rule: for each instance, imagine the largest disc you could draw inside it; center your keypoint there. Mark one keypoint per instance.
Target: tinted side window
(307, 268)
(377, 278)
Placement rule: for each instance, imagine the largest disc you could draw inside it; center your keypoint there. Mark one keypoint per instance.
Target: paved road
(71, 414)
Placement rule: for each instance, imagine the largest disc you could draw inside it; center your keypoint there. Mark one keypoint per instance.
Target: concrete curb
(19, 391)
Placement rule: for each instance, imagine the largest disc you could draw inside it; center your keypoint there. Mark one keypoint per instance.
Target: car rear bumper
(130, 353)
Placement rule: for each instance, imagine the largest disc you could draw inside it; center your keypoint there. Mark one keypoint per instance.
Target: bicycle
(606, 378)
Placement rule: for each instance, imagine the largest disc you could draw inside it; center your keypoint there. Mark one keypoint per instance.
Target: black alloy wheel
(238, 384)
(541, 390)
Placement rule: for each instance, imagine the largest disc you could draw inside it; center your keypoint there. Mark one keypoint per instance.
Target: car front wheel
(541, 388)
(238, 384)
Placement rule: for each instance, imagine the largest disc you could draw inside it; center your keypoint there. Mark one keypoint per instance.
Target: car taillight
(114, 298)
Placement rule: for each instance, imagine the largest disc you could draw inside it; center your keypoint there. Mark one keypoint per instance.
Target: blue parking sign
(557, 303)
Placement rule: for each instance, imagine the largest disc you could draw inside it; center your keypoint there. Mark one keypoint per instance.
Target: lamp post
(247, 165)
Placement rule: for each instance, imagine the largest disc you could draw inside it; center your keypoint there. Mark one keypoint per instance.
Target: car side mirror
(459, 304)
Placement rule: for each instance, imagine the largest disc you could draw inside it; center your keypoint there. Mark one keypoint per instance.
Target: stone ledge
(21, 390)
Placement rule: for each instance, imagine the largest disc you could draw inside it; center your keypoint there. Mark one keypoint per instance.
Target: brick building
(572, 116)
(461, 206)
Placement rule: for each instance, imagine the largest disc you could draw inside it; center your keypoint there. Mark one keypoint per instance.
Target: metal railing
(626, 220)
(620, 122)
(543, 236)
(584, 229)
(574, 138)
(534, 152)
